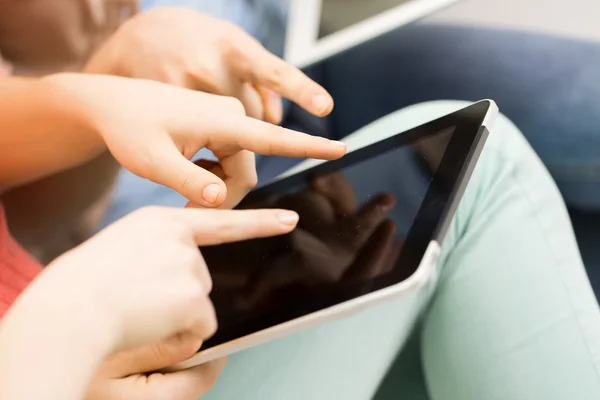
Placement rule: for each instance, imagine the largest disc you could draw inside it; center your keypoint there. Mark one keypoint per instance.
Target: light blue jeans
(511, 316)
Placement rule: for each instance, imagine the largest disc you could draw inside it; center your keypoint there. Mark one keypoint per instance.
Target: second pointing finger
(267, 139)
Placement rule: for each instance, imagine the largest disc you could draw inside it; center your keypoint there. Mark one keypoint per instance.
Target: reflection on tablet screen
(355, 214)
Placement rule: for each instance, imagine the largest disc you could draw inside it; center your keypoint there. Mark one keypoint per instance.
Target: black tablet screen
(365, 222)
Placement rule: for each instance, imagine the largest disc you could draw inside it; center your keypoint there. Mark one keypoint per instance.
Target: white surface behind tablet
(318, 29)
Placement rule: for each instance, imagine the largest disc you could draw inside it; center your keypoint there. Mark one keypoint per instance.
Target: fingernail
(338, 143)
(287, 217)
(211, 192)
(321, 103)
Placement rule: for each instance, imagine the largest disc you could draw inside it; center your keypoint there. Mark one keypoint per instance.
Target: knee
(507, 171)
(504, 146)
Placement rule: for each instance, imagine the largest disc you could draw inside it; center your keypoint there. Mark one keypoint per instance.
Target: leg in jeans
(549, 86)
(512, 315)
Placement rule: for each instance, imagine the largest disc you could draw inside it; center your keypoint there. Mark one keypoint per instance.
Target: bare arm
(58, 332)
(42, 132)
(49, 348)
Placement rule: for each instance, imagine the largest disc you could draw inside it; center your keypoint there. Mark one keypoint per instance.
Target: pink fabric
(17, 267)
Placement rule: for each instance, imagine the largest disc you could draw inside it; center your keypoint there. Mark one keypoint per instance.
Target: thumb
(195, 183)
(151, 358)
(189, 384)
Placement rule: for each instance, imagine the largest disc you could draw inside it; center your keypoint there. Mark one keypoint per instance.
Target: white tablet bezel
(422, 275)
(302, 46)
(413, 283)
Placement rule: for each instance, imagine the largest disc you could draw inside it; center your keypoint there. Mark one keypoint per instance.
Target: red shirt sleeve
(17, 267)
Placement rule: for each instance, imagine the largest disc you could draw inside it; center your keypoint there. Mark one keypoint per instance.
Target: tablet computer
(317, 29)
(370, 229)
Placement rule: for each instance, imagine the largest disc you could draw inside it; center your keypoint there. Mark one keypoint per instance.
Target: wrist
(64, 306)
(44, 128)
(50, 325)
(66, 292)
(61, 92)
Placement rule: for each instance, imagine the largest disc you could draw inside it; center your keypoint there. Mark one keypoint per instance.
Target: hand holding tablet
(370, 229)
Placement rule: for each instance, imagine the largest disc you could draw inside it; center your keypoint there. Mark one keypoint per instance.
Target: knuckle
(203, 322)
(199, 287)
(156, 221)
(145, 161)
(204, 77)
(186, 183)
(160, 388)
(229, 43)
(206, 281)
(251, 180)
(162, 352)
(189, 257)
(211, 324)
(195, 292)
(227, 228)
(276, 77)
(149, 213)
(235, 105)
(208, 284)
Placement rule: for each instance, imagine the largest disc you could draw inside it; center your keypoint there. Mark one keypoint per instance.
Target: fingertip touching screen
(365, 223)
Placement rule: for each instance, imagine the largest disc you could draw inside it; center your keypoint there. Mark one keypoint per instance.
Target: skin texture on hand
(172, 45)
(129, 375)
(231, 64)
(144, 289)
(50, 215)
(153, 129)
(194, 50)
(167, 125)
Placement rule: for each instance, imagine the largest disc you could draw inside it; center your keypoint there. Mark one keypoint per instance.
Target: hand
(153, 129)
(143, 277)
(125, 375)
(190, 49)
(334, 241)
(137, 283)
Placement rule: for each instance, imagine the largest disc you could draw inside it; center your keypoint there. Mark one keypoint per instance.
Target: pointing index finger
(271, 140)
(212, 227)
(255, 64)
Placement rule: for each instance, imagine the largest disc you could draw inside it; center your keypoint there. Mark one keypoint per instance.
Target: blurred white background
(576, 18)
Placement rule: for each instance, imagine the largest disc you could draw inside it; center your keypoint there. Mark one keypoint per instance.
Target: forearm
(50, 347)
(43, 131)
